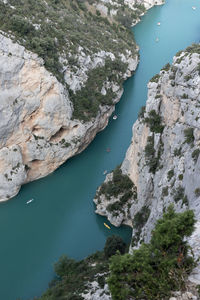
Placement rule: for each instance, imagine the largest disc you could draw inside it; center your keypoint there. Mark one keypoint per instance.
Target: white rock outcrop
(147, 3)
(36, 118)
(36, 110)
(164, 163)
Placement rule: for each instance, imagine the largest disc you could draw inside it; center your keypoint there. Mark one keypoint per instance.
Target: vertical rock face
(163, 159)
(36, 119)
(41, 118)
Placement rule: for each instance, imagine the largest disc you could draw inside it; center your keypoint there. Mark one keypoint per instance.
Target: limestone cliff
(58, 85)
(36, 116)
(163, 159)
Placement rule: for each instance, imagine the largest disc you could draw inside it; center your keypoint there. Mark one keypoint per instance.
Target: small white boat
(157, 39)
(105, 172)
(158, 23)
(194, 7)
(29, 201)
(114, 117)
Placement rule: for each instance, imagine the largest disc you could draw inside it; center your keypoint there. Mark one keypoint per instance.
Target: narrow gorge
(63, 68)
(54, 101)
(161, 166)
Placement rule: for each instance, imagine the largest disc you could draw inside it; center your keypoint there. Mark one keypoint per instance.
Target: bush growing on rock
(113, 244)
(152, 160)
(120, 184)
(195, 154)
(73, 277)
(170, 174)
(155, 269)
(154, 122)
(155, 78)
(56, 30)
(139, 221)
(189, 135)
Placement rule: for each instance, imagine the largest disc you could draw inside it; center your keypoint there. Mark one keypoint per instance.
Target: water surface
(61, 218)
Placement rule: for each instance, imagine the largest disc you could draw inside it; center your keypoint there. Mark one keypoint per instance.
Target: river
(61, 218)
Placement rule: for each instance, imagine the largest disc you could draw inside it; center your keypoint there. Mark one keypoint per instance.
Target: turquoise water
(61, 218)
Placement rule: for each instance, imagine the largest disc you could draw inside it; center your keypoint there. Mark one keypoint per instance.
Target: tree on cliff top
(155, 269)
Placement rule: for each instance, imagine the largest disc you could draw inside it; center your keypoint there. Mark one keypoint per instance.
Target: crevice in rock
(36, 130)
(59, 134)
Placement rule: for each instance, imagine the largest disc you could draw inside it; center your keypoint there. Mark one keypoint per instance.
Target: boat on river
(158, 23)
(115, 117)
(193, 7)
(106, 225)
(29, 201)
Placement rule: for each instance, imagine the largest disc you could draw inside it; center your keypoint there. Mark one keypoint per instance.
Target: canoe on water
(106, 225)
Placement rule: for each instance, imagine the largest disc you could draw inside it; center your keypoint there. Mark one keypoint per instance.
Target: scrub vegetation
(58, 30)
(151, 272)
(72, 276)
(153, 158)
(120, 187)
(157, 268)
(154, 122)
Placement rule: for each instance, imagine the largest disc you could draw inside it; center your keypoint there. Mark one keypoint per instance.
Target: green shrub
(63, 265)
(195, 155)
(166, 67)
(184, 96)
(194, 48)
(127, 196)
(154, 122)
(187, 77)
(185, 200)
(189, 135)
(139, 221)
(149, 149)
(180, 176)
(73, 277)
(177, 152)
(197, 192)
(170, 174)
(179, 193)
(151, 159)
(165, 192)
(116, 206)
(155, 269)
(87, 100)
(141, 217)
(113, 244)
(120, 184)
(155, 78)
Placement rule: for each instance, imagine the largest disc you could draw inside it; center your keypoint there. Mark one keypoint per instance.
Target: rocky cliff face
(147, 3)
(163, 159)
(55, 100)
(36, 126)
(43, 118)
